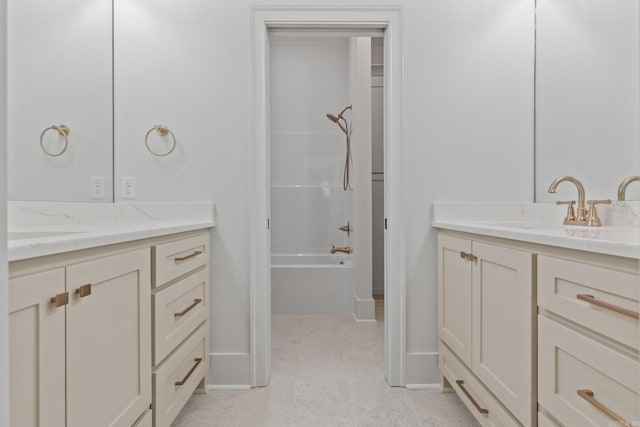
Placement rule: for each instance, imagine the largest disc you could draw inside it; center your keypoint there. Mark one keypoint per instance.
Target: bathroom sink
(533, 226)
(23, 235)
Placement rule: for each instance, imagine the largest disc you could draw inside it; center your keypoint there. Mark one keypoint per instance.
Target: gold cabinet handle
(188, 309)
(621, 310)
(186, 257)
(84, 290)
(472, 258)
(463, 255)
(193, 368)
(588, 396)
(60, 299)
(473, 401)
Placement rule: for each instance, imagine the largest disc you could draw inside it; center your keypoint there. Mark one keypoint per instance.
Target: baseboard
(220, 387)
(423, 386)
(364, 310)
(230, 370)
(422, 369)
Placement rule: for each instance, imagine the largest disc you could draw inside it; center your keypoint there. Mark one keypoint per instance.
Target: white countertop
(40, 228)
(542, 223)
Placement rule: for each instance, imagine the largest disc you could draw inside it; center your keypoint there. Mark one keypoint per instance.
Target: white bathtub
(311, 284)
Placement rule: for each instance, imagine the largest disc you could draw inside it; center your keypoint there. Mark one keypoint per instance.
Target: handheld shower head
(333, 118)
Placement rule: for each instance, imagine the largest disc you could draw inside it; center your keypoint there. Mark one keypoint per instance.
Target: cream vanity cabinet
(588, 340)
(81, 341)
(486, 321)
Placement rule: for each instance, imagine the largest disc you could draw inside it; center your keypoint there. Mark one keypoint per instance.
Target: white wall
(587, 96)
(469, 134)
(59, 71)
(4, 291)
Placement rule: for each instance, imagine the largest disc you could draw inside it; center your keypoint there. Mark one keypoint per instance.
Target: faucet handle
(570, 218)
(592, 218)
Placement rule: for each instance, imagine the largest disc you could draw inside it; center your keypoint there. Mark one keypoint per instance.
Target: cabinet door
(454, 295)
(109, 340)
(503, 320)
(36, 350)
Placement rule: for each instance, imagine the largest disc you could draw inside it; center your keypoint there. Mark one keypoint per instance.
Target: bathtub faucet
(345, 249)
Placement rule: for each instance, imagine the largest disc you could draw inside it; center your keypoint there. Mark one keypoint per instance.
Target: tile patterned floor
(326, 371)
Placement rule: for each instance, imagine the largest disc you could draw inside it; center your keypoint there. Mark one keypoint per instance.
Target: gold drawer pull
(472, 258)
(60, 299)
(464, 390)
(186, 257)
(188, 309)
(463, 255)
(588, 396)
(186, 378)
(84, 290)
(592, 300)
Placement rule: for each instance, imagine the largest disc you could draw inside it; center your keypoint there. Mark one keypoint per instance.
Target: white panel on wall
(306, 219)
(307, 158)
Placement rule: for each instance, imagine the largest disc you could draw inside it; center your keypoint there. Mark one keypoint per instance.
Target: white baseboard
(422, 368)
(220, 387)
(423, 386)
(364, 310)
(230, 369)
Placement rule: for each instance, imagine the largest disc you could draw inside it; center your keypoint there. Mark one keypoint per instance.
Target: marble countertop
(542, 223)
(40, 228)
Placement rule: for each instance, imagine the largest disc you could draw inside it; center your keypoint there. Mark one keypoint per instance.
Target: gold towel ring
(162, 131)
(62, 130)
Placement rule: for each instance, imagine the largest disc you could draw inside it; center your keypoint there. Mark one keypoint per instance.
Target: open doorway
(338, 21)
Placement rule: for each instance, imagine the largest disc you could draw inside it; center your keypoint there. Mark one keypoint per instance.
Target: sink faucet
(623, 186)
(581, 217)
(344, 249)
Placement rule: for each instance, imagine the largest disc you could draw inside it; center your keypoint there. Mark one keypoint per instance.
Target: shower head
(333, 118)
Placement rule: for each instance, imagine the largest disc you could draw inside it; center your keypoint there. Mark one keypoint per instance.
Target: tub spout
(345, 249)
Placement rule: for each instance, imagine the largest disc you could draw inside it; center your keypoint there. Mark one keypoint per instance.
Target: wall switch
(97, 187)
(128, 187)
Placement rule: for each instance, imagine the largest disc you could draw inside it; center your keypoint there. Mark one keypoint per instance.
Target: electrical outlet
(128, 187)
(97, 187)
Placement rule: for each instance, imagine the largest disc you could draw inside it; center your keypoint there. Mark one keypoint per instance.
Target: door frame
(391, 20)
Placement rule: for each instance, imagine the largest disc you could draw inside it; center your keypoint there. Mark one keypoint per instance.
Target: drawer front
(145, 421)
(570, 363)
(178, 310)
(577, 292)
(544, 421)
(455, 372)
(174, 259)
(178, 377)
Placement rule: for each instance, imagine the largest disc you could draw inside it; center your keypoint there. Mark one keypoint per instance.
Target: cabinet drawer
(176, 379)
(174, 259)
(566, 288)
(177, 311)
(544, 421)
(454, 371)
(569, 361)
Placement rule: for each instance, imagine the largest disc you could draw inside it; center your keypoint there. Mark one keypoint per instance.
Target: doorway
(336, 20)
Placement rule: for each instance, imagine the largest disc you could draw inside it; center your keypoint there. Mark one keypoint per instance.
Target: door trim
(389, 19)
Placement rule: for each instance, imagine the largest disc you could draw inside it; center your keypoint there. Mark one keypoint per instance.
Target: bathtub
(311, 284)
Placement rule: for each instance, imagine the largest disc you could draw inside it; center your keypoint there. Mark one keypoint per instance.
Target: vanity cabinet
(80, 339)
(589, 336)
(100, 336)
(180, 304)
(486, 320)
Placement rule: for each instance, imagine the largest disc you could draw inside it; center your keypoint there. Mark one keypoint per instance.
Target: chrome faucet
(581, 217)
(622, 189)
(344, 249)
